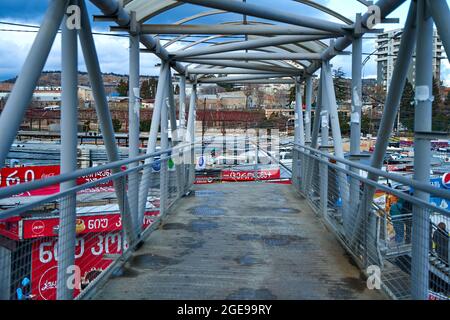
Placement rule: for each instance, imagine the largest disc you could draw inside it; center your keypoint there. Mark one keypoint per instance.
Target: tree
(122, 88)
(117, 125)
(344, 123)
(340, 86)
(441, 113)
(291, 94)
(144, 125)
(365, 124)
(407, 107)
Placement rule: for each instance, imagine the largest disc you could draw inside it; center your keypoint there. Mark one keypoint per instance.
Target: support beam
(152, 138)
(191, 133)
(242, 71)
(229, 29)
(258, 56)
(245, 45)
(246, 65)
(134, 107)
(182, 102)
(308, 99)
(5, 273)
(422, 152)
(240, 78)
(21, 95)
(114, 8)
(262, 81)
(103, 114)
(407, 46)
(270, 14)
(69, 140)
(441, 16)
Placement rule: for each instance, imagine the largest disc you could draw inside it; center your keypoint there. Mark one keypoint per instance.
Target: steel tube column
(182, 102)
(21, 94)
(407, 45)
(308, 98)
(441, 16)
(191, 132)
(299, 133)
(133, 128)
(5, 274)
(355, 119)
(152, 138)
(69, 141)
(422, 154)
(103, 114)
(163, 173)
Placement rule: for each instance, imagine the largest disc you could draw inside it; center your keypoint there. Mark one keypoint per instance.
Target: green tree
(117, 125)
(407, 107)
(340, 86)
(344, 123)
(144, 125)
(441, 113)
(122, 88)
(291, 94)
(365, 124)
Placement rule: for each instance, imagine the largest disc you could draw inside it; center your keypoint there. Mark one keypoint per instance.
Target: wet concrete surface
(240, 241)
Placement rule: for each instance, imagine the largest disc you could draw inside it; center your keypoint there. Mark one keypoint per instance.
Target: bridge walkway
(240, 241)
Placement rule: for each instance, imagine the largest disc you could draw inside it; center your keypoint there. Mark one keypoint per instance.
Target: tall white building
(388, 45)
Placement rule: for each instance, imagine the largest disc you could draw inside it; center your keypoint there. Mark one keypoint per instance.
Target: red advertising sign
(99, 236)
(205, 179)
(13, 176)
(250, 175)
(10, 228)
(89, 258)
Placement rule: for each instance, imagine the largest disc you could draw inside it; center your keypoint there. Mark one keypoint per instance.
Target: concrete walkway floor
(240, 241)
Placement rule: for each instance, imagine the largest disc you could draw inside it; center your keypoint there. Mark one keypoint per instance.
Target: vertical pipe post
(355, 118)
(395, 91)
(21, 95)
(299, 133)
(308, 98)
(174, 135)
(133, 123)
(5, 273)
(103, 114)
(182, 102)
(163, 173)
(152, 139)
(324, 120)
(69, 140)
(191, 132)
(422, 146)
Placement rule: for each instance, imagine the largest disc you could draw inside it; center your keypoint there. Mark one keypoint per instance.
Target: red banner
(98, 235)
(250, 175)
(13, 176)
(10, 228)
(89, 258)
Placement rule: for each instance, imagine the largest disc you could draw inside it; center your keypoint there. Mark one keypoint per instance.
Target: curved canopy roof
(243, 36)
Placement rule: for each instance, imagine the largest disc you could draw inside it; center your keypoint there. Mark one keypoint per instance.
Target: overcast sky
(113, 51)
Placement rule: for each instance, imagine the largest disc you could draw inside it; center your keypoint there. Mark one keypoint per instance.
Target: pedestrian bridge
(251, 240)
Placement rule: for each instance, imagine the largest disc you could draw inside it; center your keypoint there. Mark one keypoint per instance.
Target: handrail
(392, 176)
(36, 184)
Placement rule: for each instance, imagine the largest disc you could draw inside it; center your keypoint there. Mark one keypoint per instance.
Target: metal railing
(106, 232)
(379, 239)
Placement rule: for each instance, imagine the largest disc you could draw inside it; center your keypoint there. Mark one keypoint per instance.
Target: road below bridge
(240, 241)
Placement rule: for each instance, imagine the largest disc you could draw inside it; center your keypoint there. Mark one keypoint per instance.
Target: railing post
(69, 141)
(133, 120)
(299, 134)
(191, 133)
(323, 168)
(422, 146)
(164, 146)
(308, 99)
(5, 273)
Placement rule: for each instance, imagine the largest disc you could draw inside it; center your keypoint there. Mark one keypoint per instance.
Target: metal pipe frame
(191, 132)
(407, 45)
(241, 71)
(422, 156)
(22, 92)
(103, 114)
(240, 78)
(258, 56)
(245, 45)
(245, 65)
(182, 101)
(134, 107)
(153, 137)
(308, 99)
(69, 141)
(229, 29)
(261, 81)
(272, 14)
(114, 8)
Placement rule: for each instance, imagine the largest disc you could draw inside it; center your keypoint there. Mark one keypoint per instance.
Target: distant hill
(53, 79)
